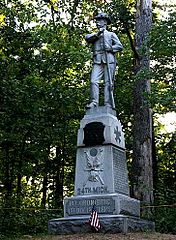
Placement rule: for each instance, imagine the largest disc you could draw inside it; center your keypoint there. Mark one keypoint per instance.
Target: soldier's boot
(94, 91)
(91, 105)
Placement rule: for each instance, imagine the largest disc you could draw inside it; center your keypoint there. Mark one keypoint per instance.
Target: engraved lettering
(92, 190)
(120, 172)
(84, 206)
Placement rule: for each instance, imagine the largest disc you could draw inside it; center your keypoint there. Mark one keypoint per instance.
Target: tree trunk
(8, 175)
(142, 147)
(20, 170)
(44, 190)
(154, 160)
(59, 178)
(45, 178)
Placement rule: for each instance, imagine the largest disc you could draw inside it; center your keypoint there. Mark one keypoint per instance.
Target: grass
(99, 236)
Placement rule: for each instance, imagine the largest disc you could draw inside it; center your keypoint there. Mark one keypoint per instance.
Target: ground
(129, 236)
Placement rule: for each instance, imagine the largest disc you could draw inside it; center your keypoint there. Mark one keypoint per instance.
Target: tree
(43, 78)
(142, 131)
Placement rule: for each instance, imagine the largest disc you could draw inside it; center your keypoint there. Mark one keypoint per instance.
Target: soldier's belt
(98, 52)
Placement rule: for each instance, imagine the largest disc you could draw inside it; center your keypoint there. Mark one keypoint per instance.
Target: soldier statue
(105, 45)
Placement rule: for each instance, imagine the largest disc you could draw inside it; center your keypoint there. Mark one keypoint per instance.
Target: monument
(101, 178)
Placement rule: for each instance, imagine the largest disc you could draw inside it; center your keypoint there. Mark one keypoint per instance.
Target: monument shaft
(101, 167)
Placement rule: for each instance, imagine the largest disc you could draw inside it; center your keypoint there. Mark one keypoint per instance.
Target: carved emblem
(117, 134)
(94, 165)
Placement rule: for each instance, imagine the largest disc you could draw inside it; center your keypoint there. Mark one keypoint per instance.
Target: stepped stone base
(106, 204)
(109, 224)
(101, 180)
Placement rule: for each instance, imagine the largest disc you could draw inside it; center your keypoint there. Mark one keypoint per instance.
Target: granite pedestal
(101, 179)
(109, 224)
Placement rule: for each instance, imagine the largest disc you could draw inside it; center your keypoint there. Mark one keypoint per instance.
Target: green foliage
(165, 183)
(44, 72)
(165, 218)
(163, 100)
(163, 70)
(42, 90)
(27, 221)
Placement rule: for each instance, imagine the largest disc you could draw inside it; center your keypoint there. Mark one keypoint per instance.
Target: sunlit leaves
(2, 20)
(164, 63)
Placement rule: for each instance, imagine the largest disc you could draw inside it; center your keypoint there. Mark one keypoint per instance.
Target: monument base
(109, 224)
(101, 180)
(106, 204)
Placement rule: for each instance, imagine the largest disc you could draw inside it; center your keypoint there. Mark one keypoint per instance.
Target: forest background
(45, 65)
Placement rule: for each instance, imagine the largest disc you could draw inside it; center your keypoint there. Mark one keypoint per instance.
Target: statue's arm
(91, 38)
(116, 44)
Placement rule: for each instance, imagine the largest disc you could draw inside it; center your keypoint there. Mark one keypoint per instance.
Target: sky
(164, 13)
(169, 122)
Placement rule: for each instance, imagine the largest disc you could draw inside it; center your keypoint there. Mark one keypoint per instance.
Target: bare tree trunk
(19, 174)
(44, 190)
(45, 179)
(59, 178)
(8, 172)
(142, 148)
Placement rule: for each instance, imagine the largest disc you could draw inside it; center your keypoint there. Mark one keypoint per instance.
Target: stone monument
(101, 166)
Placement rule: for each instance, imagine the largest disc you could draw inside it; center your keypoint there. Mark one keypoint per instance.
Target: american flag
(94, 219)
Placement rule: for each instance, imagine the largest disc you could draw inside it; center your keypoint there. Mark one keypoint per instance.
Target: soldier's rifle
(111, 80)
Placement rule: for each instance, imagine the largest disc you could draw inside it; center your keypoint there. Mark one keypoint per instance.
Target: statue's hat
(103, 16)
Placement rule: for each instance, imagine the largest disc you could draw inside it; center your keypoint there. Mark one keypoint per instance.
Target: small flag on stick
(94, 219)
